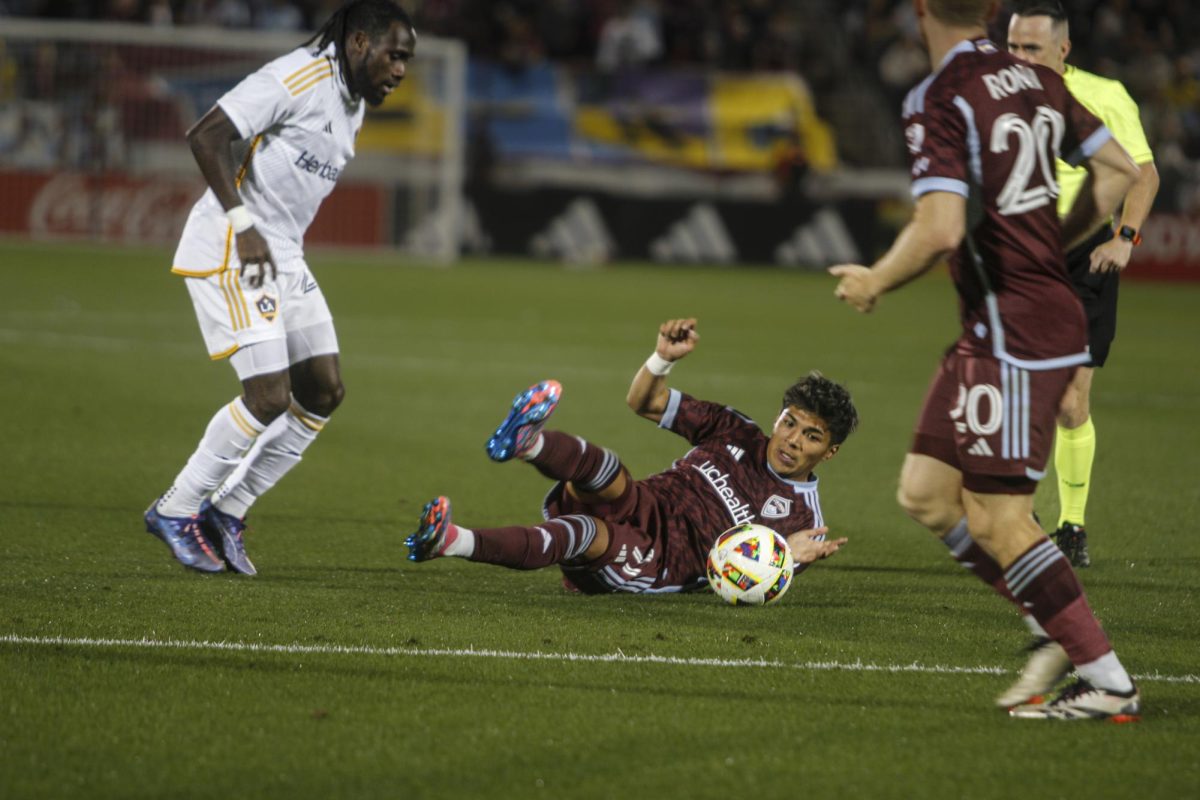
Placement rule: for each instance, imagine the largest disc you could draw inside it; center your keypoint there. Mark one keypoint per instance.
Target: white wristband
(657, 365)
(240, 219)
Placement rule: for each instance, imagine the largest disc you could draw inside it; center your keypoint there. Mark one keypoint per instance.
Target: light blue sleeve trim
(668, 417)
(953, 185)
(1089, 147)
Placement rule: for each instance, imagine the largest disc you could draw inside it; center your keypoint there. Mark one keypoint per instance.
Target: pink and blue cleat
(185, 538)
(429, 540)
(530, 410)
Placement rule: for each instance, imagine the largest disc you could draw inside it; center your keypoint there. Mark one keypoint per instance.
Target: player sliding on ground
(610, 533)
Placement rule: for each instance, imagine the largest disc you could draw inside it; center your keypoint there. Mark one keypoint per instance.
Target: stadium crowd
(859, 56)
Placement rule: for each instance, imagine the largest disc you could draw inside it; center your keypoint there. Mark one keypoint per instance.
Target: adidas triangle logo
(699, 236)
(736, 452)
(821, 241)
(980, 448)
(577, 236)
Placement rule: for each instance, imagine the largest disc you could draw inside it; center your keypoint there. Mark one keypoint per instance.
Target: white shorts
(287, 316)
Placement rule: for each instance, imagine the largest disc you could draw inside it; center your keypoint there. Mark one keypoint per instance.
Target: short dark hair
(828, 400)
(1041, 8)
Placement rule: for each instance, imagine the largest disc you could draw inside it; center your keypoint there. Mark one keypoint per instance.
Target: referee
(1038, 33)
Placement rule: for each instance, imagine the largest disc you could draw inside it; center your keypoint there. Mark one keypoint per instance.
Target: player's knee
(1073, 414)
(324, 398)
(925, 507)
(268, 400)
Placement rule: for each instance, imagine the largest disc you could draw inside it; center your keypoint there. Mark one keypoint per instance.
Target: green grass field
(343, 670)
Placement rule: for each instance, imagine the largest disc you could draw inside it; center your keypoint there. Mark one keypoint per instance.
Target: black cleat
(1072, 540)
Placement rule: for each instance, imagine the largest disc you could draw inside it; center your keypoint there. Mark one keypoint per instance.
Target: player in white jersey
(271, 150)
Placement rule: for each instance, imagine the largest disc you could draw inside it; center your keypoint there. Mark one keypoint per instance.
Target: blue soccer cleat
(228, 530)
(524, 422)
(185, 538)
(430, 537)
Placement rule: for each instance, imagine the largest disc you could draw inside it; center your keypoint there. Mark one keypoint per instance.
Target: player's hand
(1112, 256)
(807, 549)
(253, 250)
(856, 286)
(676, 338)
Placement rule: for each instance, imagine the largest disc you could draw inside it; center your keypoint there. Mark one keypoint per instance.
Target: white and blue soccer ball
(750, 564)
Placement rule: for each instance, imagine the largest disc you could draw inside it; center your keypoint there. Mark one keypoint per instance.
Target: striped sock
(1043, 581)
(553, 542)
(971, 557)
(563, 457)
(230, 433)
(276, 452)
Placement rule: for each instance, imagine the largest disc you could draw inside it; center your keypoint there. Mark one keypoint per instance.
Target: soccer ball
(750, 565)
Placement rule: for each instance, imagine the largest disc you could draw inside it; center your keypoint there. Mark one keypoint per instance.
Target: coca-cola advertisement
(114, 207)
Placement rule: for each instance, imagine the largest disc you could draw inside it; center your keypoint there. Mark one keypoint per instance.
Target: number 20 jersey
(989, 127)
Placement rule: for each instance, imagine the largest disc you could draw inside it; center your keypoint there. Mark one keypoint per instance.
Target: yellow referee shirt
(1109, 101)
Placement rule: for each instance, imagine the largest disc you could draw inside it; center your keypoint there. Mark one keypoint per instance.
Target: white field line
(601, 658)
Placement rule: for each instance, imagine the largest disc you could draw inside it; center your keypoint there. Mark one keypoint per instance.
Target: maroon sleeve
(1085, 133)
(937, 145)
(699, 420)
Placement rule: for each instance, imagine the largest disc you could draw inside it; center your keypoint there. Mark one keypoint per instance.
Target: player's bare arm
(1111, 173)
(648, 394)
(210, 139)
(806, 548)
(935, 231)
(1114, 254)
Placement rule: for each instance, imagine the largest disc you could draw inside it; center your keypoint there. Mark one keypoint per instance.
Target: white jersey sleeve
(257, 103)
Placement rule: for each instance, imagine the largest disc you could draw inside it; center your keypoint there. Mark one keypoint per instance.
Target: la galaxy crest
(268, 306)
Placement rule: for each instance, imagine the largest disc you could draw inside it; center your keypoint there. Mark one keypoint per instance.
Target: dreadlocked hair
(372, 17)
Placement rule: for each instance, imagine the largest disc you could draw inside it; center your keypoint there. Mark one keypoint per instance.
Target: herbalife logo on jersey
(739, 511)
(314, 165)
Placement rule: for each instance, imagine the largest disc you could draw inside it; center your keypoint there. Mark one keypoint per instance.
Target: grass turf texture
(107, 389)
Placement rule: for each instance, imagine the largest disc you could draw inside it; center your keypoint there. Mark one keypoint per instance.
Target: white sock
(532, 451)
(1106, 672)
(1034, 626)
(229, 435)
(275, 453)
(462, 544)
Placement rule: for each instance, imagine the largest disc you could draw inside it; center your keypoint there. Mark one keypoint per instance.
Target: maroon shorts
(991, 421)
(639, 558)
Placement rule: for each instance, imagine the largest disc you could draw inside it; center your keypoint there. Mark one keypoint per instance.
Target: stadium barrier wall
(115, 207)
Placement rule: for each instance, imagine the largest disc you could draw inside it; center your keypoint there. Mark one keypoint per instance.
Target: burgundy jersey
(988, 126)
(724, 480)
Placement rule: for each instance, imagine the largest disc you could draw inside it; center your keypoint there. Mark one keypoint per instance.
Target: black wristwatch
(1129, 234)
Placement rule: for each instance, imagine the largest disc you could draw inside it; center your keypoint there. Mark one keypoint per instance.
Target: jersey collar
(330, 53)
(965, 46)
(797, 486)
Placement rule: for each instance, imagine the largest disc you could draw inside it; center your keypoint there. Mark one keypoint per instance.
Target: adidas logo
(578, 236)
(736, 452)
(699, 236)
(980, 448)
(822, 241)
(329, 127)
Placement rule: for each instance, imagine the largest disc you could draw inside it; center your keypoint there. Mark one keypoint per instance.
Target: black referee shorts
(1098, 291)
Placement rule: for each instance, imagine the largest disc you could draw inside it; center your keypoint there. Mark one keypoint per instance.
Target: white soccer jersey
(299, 122)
